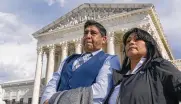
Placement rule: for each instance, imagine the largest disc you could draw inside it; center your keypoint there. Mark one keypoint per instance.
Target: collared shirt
(115, 93)
(84, 58)
(100, 88)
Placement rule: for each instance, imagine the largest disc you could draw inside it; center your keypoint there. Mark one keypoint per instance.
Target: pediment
(89, 11)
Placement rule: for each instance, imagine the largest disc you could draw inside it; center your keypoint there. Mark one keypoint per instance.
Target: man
(90, 69)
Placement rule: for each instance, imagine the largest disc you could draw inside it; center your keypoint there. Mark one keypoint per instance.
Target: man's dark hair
(151, 45)
(101, 28)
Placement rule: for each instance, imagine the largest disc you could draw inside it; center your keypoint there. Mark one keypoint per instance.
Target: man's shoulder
(113, 61)
(112, 57)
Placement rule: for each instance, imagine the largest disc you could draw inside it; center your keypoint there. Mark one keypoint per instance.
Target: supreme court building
(63, 36)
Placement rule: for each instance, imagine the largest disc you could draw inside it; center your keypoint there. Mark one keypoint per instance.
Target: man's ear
(104, 38)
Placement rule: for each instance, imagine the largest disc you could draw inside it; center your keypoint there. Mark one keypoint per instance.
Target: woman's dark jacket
(157, 83)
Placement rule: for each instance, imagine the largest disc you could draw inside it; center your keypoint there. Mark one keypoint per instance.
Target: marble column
(10, 97)
(78, 46)
(2, 94)
(56, 62)
(64, 51)
(110, 43)
(51, 63)
(38, 73)
(18, 96)
(47, 57)
(59, 59)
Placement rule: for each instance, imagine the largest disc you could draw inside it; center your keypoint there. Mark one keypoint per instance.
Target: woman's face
(135, 49)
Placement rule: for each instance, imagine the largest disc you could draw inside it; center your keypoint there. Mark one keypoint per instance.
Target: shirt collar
(139, 64)
(94, 53)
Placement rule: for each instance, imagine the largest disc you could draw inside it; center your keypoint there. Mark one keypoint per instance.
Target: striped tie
(81, 60)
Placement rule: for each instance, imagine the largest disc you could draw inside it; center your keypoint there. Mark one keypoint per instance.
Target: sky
(20, 18)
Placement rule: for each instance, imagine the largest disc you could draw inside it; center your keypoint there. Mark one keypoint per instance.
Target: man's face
(93, 40)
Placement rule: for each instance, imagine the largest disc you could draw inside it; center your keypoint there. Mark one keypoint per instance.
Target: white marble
(110, 43)
(38, 73)
(64, 50)
(51, 62)
(78, 46)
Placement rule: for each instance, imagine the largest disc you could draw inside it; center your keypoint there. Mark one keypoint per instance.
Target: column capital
(78, 46)
(78, 42)
(77, 39)
(111, 36)
(51, 47)
(110, 33)
(64, 45)
(39, 50)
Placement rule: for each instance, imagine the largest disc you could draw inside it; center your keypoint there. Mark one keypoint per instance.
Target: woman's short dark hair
(101, 28)
(151, 45)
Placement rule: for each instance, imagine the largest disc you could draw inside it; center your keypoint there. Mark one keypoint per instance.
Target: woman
(145, 77)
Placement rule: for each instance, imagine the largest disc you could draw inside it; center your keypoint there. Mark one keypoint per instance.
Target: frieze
(90, 11)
